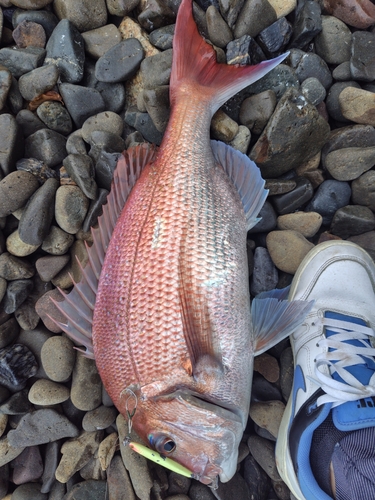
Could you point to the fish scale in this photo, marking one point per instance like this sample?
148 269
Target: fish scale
171 328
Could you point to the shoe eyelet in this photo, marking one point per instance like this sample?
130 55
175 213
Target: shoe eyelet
313 323
317 344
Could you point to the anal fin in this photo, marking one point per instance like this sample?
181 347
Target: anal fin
78 306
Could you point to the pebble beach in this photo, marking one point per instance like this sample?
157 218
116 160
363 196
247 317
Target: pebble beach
82 80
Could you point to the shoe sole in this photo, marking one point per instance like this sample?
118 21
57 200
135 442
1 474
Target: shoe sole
283 458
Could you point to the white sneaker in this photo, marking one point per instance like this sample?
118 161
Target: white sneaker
333 357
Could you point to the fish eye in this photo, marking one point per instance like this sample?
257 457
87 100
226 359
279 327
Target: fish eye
165 445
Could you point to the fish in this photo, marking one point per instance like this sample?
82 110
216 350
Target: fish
163 305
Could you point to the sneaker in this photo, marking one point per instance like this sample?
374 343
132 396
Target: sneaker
334 374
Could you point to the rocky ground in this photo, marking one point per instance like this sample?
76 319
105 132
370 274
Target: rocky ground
68 108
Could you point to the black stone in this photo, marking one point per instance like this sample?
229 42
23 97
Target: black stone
279 80
143 123
17 365
329 197
265 275
308 23
257 480
65 48
268 219
156 69
311 65
108 69
352 220
243 51
81 102
81 170
276 37
289 202
16 293
15 99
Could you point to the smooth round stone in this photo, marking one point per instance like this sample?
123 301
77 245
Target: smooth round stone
37 216
264 453
48 266
31 4
41 426
81 169
15 189
75 143
287 249
51 460
47 309
311 65
65 49
218 31
329 197
81 102
14 268
100 418
100 40
268 415
357 105
8 331
363 190
333 103
306 223
58 357
70 208
256 110
241 140
16 294
46 145
17 365
57 241
17 404
157 105
84 14
334 41
55 117
258 482
267 365
265 275
349 163
16 246
283 7
45 392
29 491
108 69
352 136
255 16
142 123
223 128
113 94
352 220
121 7
86 391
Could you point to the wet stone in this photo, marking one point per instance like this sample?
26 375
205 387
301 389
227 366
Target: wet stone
362 63
275 38
329 197
255 16
29 34
17 365
46 145
107 68
41 426
36 219
291 201
22 61
276 151
81 102
15 190
287 249
352 220
65 49
11 144
16 293
265 275
307 24
14 268
334 41
70 208
81 170
28 466
244 50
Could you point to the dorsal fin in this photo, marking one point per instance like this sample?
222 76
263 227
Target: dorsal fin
78 305
246 177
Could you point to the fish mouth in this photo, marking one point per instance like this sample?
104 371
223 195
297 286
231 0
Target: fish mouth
218 408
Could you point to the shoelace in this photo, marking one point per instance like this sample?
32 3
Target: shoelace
341 356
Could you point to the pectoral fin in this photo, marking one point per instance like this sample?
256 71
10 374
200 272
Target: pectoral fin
274 318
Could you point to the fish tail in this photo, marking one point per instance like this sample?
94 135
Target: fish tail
194 66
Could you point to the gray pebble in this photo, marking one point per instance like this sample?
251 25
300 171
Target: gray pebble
46 145
99 40
46 392
157 105
263 451
347 164
65 49
55 116
162 38
16 293
37 216
334 41
257 480
84 14
17 404
199 491
106 121
278 80
22 61
14 268
329 197
70 208
51 460
121 7
57 241
113 94
352 136
143 123
28 122
45 18
86 388
255 16
332 101
256 110
81 102
102 140
15 190
29 491
88 490
75 143
219 32
313 90
119 484
352 220
50 265
311 65
11 144
104 168
95 209
307 24
267 221
265 275
15 99
275 38
28 466
41 426
34 340
362 63
363 190
58 357
108 69
99 418
5 83
38 81
156 70
17 365
81 170
342 72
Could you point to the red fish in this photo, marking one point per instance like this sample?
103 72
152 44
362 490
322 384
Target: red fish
166 293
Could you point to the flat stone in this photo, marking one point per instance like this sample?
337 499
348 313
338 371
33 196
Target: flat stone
280 186
55 117
334 41
86 390
14 268
106 452
17 404
352 136
28 122
50 265
46 392
268 219
70 208
329 197
362 63
88 490
277 152
156 69
157 106
107 68
58 357
358 105
287 249
268 415
306 223
76 453
352 220
144 124
65 49
46 145
349 163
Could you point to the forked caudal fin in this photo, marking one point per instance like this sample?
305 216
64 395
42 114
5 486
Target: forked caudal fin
194 64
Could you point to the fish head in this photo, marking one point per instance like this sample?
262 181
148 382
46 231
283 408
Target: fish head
200 435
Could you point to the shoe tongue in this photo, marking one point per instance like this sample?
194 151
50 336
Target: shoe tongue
359 414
